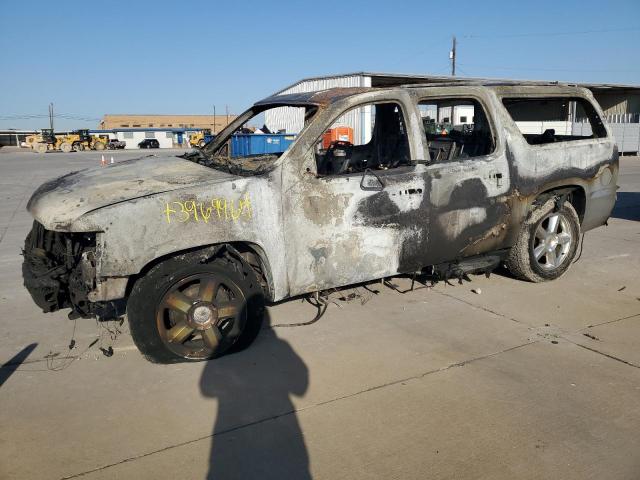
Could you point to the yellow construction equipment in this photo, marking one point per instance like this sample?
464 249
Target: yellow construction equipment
33 141
201 138
77 140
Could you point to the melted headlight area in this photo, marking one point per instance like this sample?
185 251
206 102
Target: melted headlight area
59 270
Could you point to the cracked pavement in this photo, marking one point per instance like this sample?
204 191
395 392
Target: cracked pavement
527 381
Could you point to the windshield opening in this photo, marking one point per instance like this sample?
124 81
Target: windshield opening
255 140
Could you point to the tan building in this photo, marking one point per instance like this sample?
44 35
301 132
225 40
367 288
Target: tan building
215 123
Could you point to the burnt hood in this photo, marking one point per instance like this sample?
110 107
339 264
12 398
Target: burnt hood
59 202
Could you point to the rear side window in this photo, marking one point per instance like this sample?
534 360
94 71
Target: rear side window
456 129
555 119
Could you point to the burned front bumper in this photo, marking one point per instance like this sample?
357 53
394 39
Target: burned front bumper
59 271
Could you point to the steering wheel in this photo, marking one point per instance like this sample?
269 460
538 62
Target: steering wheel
338 163
339 143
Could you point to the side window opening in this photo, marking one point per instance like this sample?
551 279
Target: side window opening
381 144
555 119
456 129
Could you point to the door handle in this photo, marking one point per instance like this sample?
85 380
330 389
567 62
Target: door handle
498 178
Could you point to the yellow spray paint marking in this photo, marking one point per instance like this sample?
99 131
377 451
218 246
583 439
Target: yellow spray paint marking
221 208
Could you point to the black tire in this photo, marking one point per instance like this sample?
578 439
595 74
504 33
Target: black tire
150 317
522 261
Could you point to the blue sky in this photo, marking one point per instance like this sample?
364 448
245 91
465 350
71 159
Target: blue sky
184 57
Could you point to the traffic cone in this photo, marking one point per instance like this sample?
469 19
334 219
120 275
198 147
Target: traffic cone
103 162
111 159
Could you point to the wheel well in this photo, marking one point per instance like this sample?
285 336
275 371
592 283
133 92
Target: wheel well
251 253
575 195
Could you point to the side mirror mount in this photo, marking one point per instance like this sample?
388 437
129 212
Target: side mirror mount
371 182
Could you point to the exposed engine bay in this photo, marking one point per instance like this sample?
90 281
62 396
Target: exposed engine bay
59 270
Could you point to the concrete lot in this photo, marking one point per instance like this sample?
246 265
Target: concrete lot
435 383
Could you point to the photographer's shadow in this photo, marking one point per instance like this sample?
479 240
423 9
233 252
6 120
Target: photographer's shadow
256 433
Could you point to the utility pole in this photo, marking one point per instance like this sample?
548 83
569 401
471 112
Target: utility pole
452 56
51 116
226 107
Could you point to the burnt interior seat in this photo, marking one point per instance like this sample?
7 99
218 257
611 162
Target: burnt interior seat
548 136
442 149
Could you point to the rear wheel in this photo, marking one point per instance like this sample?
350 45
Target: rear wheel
41 148
78 147
547 243
202 143
183 310
66 147
98 146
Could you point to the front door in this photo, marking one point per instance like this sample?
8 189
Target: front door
357 216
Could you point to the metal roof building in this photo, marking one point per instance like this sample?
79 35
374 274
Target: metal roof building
620 103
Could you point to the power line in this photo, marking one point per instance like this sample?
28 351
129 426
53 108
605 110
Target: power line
554 34
552 69
31 116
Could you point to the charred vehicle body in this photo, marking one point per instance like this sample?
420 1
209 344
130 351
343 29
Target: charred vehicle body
192 247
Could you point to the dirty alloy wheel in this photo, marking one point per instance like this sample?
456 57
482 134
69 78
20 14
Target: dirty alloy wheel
547 243
189 311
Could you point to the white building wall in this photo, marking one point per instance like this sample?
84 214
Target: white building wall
463 112
132 139
292 119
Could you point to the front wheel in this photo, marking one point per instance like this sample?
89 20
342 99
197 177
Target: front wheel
547 243
183 310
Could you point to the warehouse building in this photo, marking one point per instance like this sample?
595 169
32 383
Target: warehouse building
14 138
620 103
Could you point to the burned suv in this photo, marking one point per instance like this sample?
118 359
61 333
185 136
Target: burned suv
191 247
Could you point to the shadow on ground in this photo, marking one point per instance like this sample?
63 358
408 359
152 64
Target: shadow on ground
627 206
7 369
257 434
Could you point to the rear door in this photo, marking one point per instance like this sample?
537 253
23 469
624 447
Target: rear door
468 180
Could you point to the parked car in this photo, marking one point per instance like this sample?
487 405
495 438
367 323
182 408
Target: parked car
115 144
214 236
149 143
